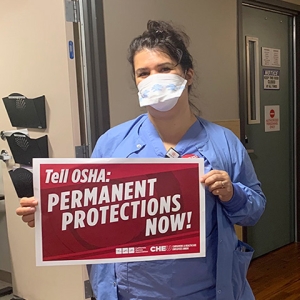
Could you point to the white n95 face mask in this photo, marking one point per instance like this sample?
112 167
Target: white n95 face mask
161 91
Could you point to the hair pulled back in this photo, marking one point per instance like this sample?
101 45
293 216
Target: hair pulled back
164 37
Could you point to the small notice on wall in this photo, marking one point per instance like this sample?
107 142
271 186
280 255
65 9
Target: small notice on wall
271 79
270 57
272 118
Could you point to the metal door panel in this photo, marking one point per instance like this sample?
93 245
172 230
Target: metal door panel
272 151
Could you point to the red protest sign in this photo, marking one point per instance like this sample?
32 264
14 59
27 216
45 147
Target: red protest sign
108 210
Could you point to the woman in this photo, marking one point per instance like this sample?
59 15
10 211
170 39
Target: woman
163 72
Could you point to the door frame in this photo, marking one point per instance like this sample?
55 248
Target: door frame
293 9
91 68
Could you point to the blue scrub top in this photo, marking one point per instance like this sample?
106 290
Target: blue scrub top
221 275
176 278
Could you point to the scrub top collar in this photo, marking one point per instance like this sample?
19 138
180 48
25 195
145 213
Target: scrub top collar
193 139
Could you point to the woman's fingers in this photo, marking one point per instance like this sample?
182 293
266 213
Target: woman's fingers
27 209
28 218
28 202
31 224
23 211
219 184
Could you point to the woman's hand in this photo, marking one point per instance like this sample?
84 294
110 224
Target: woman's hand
26 210
219 184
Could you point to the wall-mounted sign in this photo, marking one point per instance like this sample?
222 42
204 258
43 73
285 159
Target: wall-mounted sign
271 79
272 118
270 57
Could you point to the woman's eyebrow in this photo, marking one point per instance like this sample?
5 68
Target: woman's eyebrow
166 64
141 70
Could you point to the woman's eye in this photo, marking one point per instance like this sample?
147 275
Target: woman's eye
143 74
165 70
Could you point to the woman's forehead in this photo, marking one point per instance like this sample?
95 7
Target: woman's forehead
146 58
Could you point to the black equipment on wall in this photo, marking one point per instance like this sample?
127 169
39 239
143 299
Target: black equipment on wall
24 112
24 149
23 182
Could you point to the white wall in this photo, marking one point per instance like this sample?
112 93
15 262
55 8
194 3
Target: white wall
34 61
212 27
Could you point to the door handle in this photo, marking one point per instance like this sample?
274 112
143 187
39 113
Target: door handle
250 151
